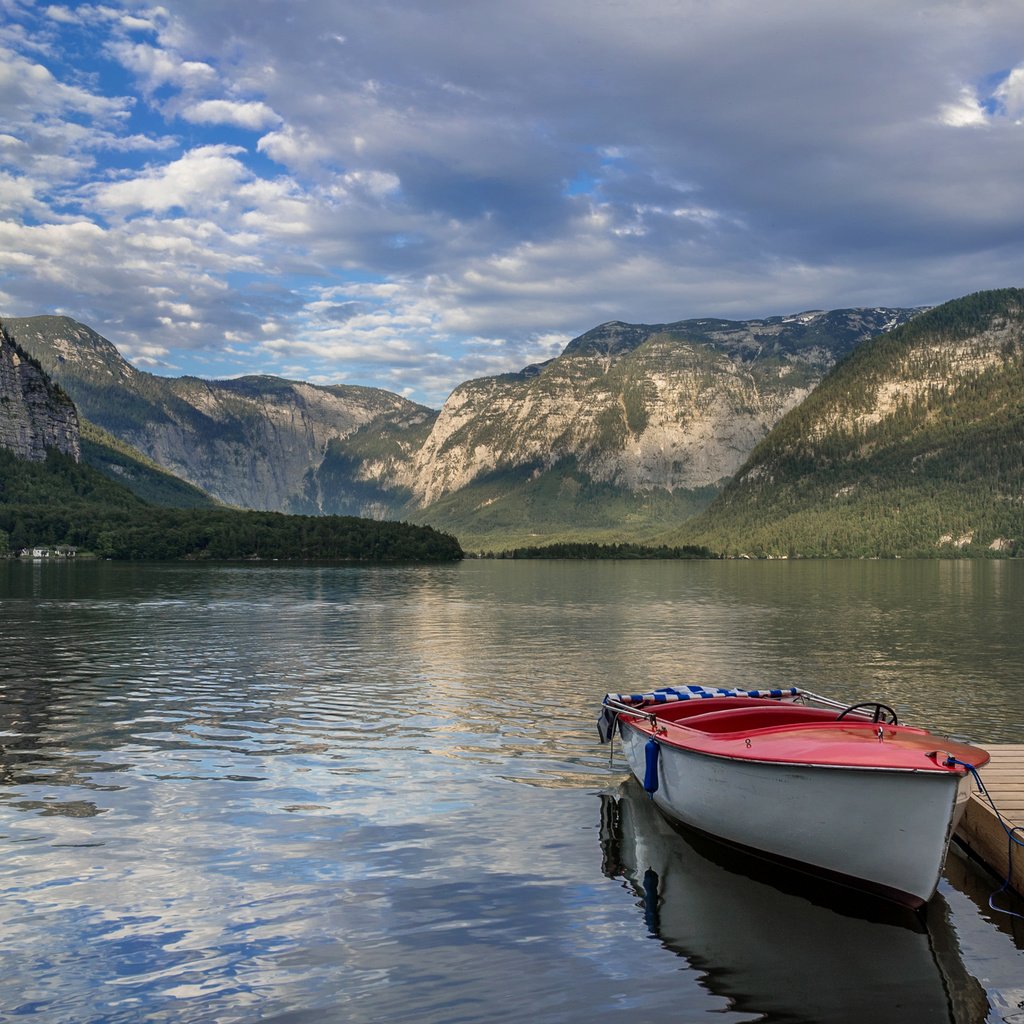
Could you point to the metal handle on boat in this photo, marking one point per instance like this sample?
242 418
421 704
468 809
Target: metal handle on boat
624 709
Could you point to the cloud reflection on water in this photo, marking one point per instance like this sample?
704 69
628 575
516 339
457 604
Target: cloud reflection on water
326 793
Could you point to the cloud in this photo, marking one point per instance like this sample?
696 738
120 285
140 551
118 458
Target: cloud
1001 99
251 115
155 67
294 148
1010 94
966 112
62 14
29 90
203 177
435 189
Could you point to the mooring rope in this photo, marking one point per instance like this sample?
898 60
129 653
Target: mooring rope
1010 830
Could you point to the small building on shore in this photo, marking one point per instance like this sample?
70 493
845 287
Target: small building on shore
40 552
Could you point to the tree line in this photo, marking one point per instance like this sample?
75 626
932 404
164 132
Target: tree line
61 502
605 551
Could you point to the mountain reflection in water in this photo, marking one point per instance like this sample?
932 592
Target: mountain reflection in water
779 943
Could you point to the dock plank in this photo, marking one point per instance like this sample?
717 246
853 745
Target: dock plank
980 830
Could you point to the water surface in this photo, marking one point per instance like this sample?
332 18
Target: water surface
323 793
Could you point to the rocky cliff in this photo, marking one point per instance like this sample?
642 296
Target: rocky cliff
254 442
35 415
641 407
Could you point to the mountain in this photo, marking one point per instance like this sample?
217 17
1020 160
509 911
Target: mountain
632 428
50 497
912 445
35 415
859 432
142 476
255 442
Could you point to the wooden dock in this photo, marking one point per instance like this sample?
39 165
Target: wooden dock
980 831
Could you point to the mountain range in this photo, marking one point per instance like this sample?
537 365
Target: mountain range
632 429
866 432
63 491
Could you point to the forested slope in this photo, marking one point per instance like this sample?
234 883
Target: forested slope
913 445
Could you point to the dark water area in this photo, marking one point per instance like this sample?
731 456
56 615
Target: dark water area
325 793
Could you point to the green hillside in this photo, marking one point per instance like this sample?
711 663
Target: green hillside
61 502
912 446
518 508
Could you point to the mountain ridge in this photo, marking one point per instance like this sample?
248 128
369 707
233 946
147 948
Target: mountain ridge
633 409
913 444
253 442
632 427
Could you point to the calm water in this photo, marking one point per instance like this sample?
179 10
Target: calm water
305 794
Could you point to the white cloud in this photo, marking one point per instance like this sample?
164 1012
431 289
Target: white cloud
156 67
17 196
367 345
203 177
28 90
294 148
1005 100
62 14
966 112
281 217
252 115
377 184
135 23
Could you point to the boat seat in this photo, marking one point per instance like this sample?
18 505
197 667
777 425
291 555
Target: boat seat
761 717
698 708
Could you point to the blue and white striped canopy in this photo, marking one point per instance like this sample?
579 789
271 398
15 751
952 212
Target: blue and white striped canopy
667 694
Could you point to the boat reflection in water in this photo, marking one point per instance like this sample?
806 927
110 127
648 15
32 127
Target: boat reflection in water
781 944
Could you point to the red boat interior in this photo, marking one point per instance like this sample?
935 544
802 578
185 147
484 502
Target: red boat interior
723 715
758 728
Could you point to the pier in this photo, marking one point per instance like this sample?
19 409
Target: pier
980 831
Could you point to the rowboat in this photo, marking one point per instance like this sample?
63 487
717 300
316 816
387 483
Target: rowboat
842 791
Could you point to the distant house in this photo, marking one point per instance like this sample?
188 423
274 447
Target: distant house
61 551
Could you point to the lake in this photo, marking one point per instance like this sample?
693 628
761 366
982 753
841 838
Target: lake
364 794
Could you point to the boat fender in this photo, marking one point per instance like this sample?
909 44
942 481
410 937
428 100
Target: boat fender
651 751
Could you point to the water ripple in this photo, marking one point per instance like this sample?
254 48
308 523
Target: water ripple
240 794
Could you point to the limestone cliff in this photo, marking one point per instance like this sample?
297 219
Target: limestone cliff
641 407
35 415
255 442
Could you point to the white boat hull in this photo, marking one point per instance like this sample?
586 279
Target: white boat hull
887 830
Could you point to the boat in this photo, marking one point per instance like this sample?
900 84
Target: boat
842 791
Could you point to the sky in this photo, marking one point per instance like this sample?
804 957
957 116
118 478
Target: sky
408 194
